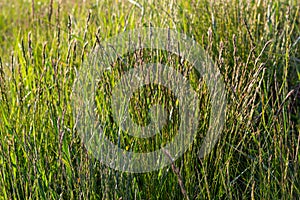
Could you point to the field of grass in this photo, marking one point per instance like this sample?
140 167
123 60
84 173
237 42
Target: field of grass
254 43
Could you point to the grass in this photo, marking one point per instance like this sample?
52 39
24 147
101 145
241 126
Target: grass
256 46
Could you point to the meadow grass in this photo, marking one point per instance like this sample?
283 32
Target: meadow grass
256 46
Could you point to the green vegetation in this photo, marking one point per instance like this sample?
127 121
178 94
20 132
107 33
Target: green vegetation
256 46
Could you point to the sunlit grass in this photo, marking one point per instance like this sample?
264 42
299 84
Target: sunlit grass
253 43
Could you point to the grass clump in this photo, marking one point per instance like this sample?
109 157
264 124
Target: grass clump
255 44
